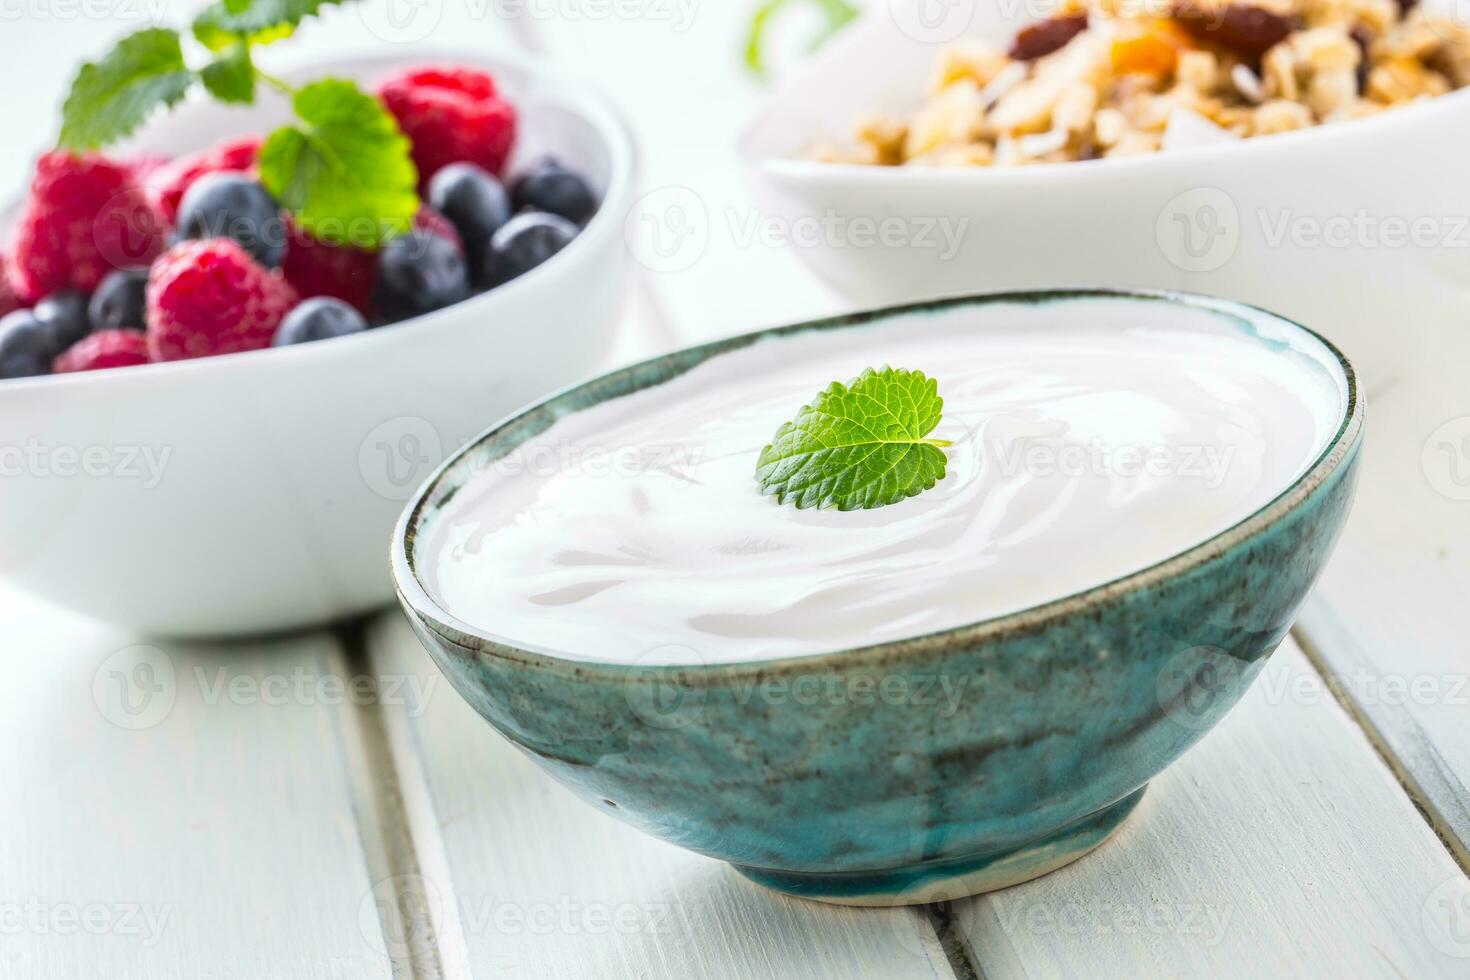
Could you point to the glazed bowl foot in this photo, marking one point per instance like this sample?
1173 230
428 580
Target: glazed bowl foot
947 880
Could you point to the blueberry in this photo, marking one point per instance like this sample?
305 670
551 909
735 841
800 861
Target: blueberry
26 347
320 318
475 203
119 301
526 241
64 315
418 272
549 186
232 205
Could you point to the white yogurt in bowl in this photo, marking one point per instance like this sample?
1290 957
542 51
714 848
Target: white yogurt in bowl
1092 437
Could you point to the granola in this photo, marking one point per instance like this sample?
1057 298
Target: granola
1107 78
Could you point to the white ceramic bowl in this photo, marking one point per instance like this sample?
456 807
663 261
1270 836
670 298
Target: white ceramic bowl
1360 230
257 491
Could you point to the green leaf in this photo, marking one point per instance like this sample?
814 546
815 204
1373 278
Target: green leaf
836 12
112 97
231 76
228 22
345 174
859 445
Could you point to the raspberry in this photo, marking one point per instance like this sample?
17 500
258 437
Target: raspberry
210 297
9 301
145 165
104 349
435 223
85 217
317 269
343 272
168 183
451 115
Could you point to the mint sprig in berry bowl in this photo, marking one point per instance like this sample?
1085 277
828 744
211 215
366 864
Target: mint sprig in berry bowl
276 471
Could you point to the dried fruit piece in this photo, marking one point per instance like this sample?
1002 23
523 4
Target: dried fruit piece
1153 50
1040 40
1246 30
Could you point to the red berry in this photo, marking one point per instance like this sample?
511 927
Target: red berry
145 165
85 216
104 349
168 183
427 219
210 297
451 115
9 301
315 268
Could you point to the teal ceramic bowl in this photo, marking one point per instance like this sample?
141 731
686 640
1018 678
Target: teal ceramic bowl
1069 708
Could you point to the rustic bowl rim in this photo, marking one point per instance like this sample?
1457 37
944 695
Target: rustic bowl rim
420 604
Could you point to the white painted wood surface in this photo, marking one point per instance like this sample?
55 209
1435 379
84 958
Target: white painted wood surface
1390 620
527 880
312 839
1278 846
176 811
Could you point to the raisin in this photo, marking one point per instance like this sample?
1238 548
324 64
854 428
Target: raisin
1040 40
1248 31
1362 39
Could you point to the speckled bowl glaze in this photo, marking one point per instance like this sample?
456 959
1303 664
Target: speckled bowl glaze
1019 743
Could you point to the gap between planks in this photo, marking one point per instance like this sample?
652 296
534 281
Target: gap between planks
407 859
404 898
1314 622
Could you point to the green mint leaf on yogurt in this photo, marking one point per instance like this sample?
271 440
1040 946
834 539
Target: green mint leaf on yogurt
112 97
858 446
344 172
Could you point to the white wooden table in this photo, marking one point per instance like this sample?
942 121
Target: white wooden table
326 806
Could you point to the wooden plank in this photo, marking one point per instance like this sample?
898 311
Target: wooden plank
527 880
176 810
1278 846
1390 622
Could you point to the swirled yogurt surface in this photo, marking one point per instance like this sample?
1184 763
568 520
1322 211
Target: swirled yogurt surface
1092 437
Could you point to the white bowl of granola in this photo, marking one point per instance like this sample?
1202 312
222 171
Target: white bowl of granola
1314 175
